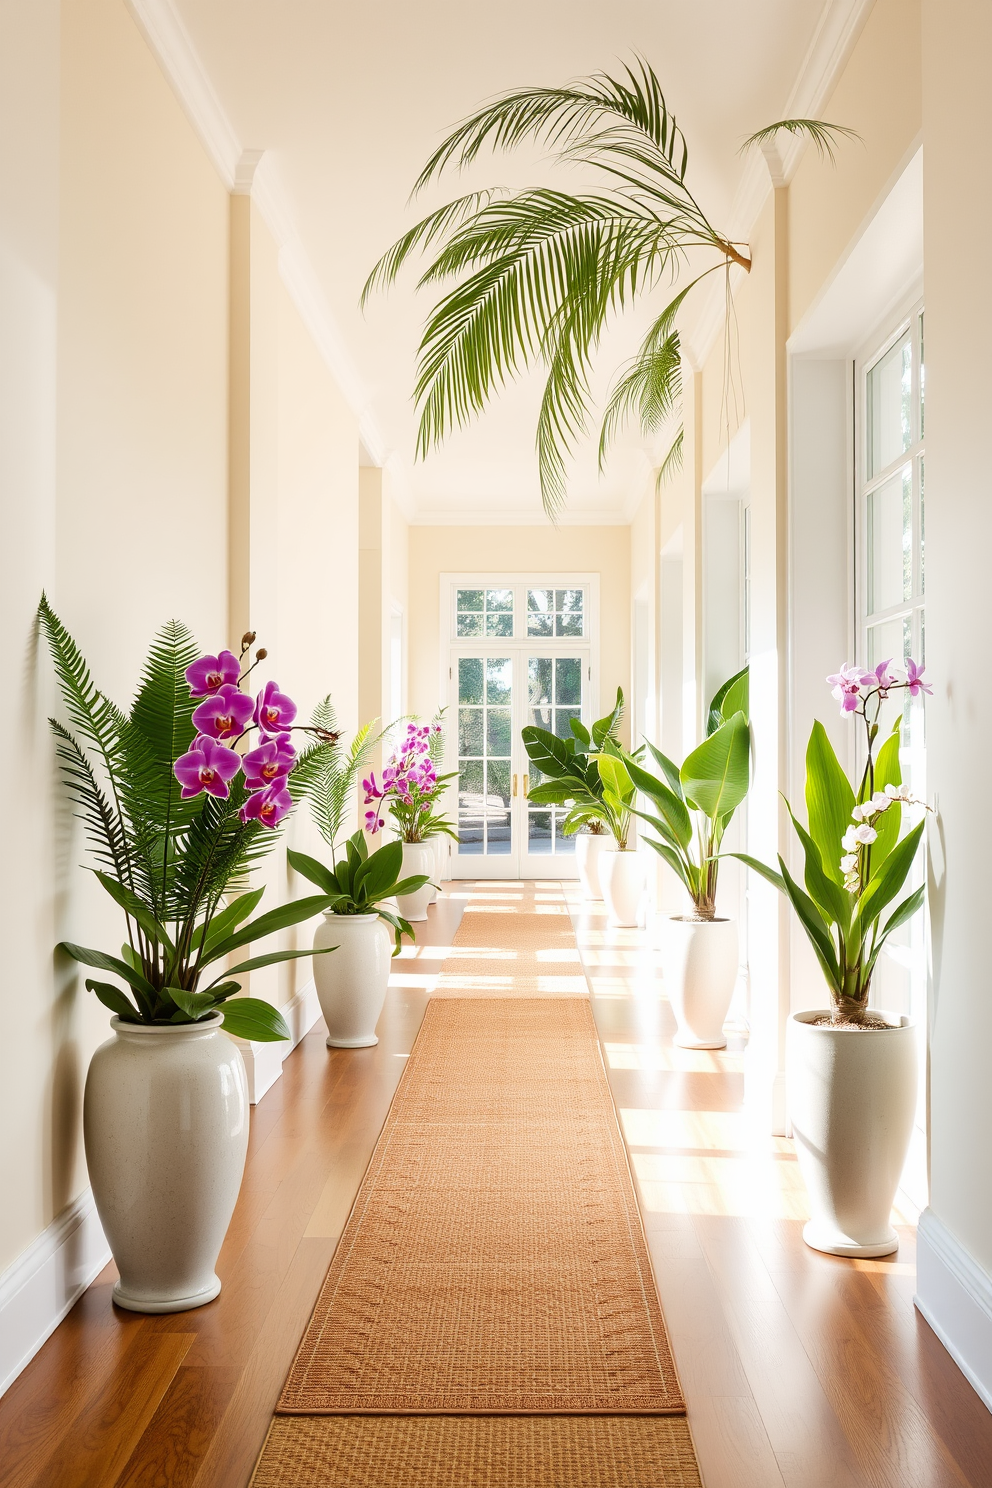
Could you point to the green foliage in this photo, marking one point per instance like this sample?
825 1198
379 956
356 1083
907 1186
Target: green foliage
824 136
327 777
573 777
843 918
168 864
693 806
359 882
539 274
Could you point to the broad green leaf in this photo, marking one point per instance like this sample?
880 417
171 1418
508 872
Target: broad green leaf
408 885
271 958
615 777
250 1018
114 999
377 875
668 767
829 800
556 792
605 728
887 824
902 912
225 920
551 755
886 883
313 870
400 926
103 962
760 868
580 731
833 902
817 931
716 775
729 699
668 804
674 861
276 919
193 1004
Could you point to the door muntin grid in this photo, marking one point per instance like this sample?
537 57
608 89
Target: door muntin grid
554 698
485 748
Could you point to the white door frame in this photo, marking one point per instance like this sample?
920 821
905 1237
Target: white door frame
517 863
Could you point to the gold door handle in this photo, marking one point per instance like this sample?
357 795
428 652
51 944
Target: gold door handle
526 785
514 785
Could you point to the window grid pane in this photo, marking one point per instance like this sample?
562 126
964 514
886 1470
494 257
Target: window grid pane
554 698
485 687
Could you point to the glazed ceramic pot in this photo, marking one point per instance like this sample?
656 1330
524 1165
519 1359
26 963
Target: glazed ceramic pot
165 1124
418 857
351 982
621 875
699 964
852 1102
588 847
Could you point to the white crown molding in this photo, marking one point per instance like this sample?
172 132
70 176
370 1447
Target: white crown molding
518 517
841 23
41 1286
954 1294
162 27
255 173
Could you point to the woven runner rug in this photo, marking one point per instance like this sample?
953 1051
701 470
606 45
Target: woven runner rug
490 1316
514 940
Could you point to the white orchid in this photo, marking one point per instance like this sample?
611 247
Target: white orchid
849 842
849 863
865 834
881 801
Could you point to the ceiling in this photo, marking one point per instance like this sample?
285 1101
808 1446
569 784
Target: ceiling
347 101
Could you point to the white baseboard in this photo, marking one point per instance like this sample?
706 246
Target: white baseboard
38 1290
263 1062
954 1294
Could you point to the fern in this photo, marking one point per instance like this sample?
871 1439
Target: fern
327 776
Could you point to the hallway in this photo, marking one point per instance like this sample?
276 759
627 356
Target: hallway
798 1369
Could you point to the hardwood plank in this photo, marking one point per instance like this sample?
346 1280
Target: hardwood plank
178 1435
107 1432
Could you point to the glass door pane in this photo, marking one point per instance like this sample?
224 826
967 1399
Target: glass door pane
554 698
485 746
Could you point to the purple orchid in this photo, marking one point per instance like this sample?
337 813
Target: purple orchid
207 766
914 681
225 714
846 686
210 673
274 710
267 806
372 791
373 822
880 678
272 760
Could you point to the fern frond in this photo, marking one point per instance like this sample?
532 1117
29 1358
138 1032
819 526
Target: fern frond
104 829
824 136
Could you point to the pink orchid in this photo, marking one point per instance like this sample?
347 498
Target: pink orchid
880 677
274 710
270 761
267 806
914 675
210 673
207 766
373 822
846 685
224 714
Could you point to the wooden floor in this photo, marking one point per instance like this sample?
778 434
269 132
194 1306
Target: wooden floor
798 1369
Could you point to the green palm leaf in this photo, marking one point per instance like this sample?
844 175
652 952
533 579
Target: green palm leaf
823 135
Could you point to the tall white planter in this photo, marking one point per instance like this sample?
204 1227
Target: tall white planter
439 847
699 964
621 875
418 857
588 847
351 982
852 1100
165 1124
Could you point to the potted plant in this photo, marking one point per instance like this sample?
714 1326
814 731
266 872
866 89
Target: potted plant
571 759
352 986
175 817
851 1070
692 808
410 789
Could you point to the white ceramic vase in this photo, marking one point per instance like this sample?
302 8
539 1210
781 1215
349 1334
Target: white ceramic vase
852 1101
439 847
588 847
165 1124
351 982
418 857
621 875
699 964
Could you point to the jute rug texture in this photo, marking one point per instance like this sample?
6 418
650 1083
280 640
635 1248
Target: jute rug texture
490 1319
478 1452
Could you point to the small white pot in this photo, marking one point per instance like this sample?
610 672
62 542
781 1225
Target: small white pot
351 982
852 1100
699 964
621 875
165 1124
588 847
418 857
439 847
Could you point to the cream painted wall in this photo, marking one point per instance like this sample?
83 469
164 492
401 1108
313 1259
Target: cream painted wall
139 509
437 550
957 222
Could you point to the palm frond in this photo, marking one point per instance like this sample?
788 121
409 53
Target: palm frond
672 461
651 385
422 235
824 136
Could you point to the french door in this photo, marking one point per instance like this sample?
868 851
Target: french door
496 688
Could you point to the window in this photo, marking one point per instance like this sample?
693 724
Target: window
520 611
484 612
